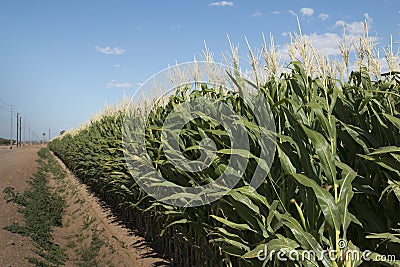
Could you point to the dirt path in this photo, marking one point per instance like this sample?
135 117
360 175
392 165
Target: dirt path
86 220
89 233
16 167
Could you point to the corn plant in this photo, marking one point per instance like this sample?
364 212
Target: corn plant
335 179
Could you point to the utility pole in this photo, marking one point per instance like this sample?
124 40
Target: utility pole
24 131
20 130
29 133
49 136
17 127
11 127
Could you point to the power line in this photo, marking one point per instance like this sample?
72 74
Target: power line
20 130
17 127
11 125
4 103
21 137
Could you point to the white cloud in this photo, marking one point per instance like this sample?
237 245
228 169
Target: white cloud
352 28
292 12
326 43
257 14
306 11
110 50
177 27
368 18
222 3
275 12
115 84
323 16
385 65
117 65
356 27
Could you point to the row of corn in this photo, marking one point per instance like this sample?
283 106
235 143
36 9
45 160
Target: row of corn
335 176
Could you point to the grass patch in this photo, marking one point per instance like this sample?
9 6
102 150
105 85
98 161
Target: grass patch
89 253
42 209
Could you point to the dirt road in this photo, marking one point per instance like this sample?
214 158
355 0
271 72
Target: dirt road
84 214
16 167
84 219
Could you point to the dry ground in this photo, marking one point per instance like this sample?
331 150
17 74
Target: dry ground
16 167
89 234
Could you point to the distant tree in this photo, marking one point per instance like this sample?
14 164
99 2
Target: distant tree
4 141
62 132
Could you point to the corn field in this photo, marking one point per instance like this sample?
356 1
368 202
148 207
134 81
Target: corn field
335 175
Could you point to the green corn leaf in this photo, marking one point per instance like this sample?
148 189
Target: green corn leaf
324 153
325 200
305 239
280 243
181 221
345 195
230 246
393 119
238 226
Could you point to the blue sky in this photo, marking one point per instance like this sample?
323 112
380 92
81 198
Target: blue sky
61 61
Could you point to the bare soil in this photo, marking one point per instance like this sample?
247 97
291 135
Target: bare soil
85 214
16 168
91 234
